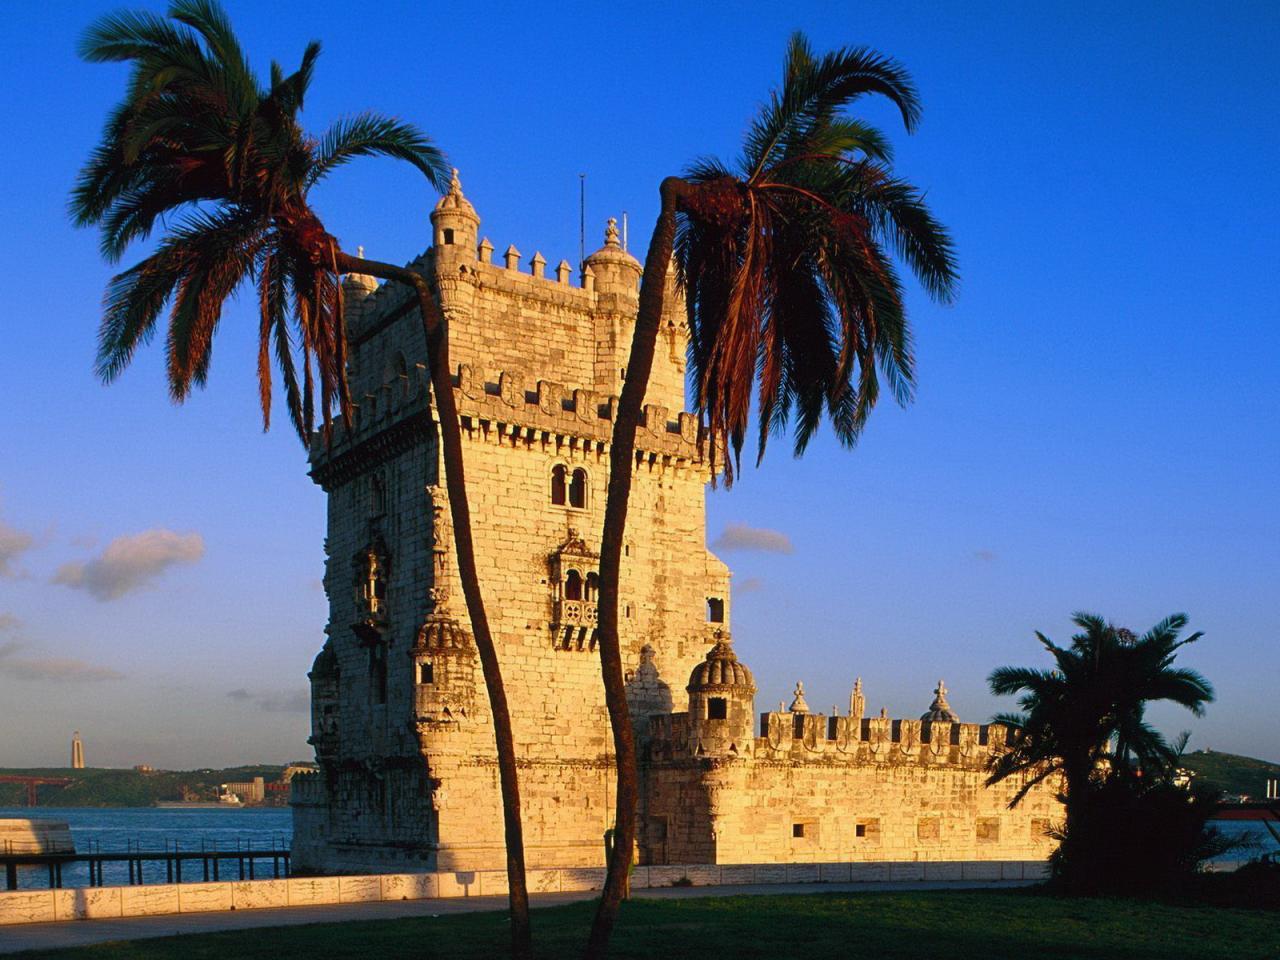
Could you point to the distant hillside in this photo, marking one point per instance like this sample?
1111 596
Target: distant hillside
101 787
1230 773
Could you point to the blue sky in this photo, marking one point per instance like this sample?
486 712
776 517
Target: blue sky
1096 426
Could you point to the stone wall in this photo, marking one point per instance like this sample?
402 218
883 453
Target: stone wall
98 903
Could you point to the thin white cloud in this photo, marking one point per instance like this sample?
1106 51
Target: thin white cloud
56 669
131 562
985 556
740 536
13 543
292 701
748 585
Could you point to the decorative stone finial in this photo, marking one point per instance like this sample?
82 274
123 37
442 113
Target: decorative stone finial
440 548
857 702
454 202
884 713
611 233
512 257
940 711
360 252
538 264
798 705
485 251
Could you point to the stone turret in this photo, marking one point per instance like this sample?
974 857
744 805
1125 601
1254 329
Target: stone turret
444 654
721 703
456 224
325 679
614 270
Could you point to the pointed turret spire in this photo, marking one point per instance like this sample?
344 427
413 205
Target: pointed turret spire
798 705
857 702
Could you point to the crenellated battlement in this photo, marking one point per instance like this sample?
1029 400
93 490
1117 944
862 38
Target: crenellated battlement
788 737
500 407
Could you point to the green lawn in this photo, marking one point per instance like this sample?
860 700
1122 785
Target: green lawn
1019 925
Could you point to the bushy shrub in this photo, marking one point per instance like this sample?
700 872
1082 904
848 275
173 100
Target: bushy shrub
1136 837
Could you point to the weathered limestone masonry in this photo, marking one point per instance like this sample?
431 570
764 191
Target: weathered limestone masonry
401 727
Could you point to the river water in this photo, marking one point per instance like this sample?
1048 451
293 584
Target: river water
161 828
112 829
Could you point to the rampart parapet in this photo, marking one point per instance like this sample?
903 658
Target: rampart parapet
503 409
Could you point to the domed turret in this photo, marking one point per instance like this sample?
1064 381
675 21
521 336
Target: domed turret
456 223
325 703
613 269
721 702
357 286
356 289
940 711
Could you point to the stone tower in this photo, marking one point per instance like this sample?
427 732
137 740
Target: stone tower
77 752
400 719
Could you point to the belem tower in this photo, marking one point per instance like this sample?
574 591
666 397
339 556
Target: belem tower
407 773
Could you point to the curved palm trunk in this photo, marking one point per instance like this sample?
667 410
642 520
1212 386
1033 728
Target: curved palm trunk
621 465
433 324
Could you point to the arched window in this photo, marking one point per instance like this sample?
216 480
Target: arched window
558 484
593 587
578 489
573 586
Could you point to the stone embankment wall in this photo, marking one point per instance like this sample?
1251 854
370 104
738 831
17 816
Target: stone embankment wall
93 903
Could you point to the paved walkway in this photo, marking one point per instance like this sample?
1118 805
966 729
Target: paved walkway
78 933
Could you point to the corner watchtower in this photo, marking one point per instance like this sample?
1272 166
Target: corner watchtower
721 703
456 224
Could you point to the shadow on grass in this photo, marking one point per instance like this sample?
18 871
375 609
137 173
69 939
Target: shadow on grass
896 926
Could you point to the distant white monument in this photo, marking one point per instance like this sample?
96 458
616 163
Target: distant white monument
77 752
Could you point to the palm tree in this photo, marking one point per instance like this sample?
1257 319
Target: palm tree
223 165
793 297
1085 717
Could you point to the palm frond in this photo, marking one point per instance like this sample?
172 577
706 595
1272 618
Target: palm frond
369 134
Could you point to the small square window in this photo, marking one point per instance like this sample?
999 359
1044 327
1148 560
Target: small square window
797 830
715 610
426 673
860 830
717 708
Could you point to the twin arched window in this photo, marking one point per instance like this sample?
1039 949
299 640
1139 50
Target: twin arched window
576 588
569 489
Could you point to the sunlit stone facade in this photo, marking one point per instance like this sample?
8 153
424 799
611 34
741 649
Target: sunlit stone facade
401 726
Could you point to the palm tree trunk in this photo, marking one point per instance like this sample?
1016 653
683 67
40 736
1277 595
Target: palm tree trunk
434 328
621 466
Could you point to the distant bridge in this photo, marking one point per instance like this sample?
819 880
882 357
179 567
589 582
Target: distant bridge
32 783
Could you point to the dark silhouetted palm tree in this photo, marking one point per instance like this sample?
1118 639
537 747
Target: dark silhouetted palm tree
223 167
794 300
1085 717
